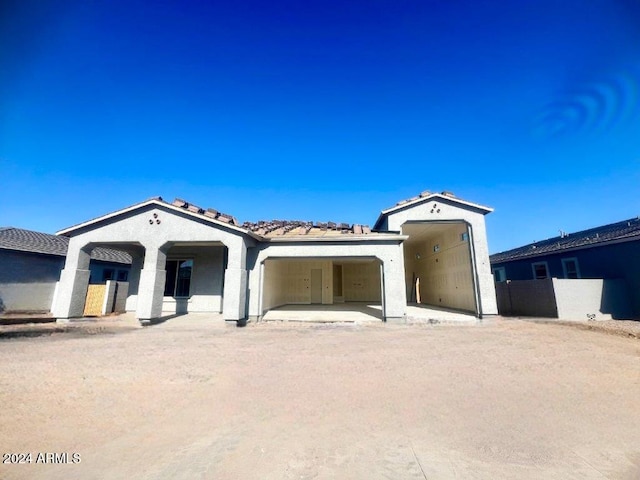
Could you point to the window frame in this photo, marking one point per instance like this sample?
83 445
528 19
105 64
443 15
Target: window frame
546 267
108 274
177 276
503 273
564 267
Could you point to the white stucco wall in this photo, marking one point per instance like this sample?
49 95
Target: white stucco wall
442 209
156 228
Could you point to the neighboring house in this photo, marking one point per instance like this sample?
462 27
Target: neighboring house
432 247
30 266
609 252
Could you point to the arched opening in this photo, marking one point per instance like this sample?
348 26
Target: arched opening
105 280
321 289
439 265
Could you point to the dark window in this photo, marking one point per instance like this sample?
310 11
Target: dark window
540 271
570 266
108 274
178 281
499 274
123 275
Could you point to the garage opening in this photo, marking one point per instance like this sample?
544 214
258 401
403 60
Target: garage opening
439 265
322 288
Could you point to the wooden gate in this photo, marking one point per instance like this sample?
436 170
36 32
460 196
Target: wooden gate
94 301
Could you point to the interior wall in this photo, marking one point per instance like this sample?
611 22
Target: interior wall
362 282
289 282
445 275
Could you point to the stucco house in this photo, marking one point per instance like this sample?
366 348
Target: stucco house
431 248
31 263
600 265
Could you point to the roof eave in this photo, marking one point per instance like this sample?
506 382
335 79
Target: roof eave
384 213
160 203
569 249
432 196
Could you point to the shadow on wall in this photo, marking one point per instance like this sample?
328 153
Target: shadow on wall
182 306
526 298
615 300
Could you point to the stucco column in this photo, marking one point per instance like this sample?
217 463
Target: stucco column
394 294
134 282
74 279
151 286
235 283
485 282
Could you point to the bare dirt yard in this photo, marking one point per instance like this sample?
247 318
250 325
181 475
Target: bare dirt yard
198 399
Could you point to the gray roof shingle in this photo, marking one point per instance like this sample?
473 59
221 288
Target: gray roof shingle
37 242
597 236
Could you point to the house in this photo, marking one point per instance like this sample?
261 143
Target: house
608 256
431 249
31 264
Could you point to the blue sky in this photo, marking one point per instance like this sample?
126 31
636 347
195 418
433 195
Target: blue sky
322 110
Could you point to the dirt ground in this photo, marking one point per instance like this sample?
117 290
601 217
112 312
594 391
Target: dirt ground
199 399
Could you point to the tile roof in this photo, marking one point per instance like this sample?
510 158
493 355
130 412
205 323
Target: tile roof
278 228
299 228
37 242
209 212
627 229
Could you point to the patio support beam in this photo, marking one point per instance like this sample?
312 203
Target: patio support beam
74 279
151 285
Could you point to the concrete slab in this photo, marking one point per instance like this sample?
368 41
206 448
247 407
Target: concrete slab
420 313
354 312
339 312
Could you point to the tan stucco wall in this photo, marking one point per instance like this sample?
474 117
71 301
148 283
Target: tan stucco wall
446 276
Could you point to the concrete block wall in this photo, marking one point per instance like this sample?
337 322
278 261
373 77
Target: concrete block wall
533 298
565 299
592 299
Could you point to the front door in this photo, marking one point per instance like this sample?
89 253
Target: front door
316 285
